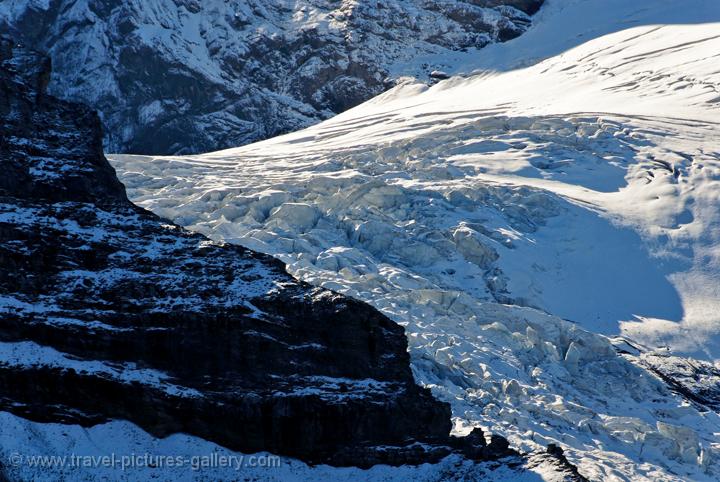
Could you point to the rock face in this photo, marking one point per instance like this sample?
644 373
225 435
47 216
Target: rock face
184 76
107 311
696 380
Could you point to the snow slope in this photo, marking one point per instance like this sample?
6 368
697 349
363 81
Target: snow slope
518 220
200 460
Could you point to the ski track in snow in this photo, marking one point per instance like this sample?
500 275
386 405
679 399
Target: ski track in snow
510 218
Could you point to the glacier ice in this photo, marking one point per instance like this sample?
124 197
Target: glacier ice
513 221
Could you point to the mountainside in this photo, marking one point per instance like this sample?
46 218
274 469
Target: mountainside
131 349
185 76
545 226
108 312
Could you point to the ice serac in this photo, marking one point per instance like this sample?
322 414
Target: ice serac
184 76
109 312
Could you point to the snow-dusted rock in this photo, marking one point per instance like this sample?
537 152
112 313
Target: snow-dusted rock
182 76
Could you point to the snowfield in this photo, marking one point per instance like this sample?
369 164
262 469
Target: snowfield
536 224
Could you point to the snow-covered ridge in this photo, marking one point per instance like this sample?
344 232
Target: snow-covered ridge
30 439
567 189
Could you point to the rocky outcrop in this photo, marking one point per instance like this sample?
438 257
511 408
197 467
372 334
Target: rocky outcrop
184 76
109 312
696 380
554 459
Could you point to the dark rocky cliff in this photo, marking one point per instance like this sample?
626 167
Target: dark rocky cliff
109 312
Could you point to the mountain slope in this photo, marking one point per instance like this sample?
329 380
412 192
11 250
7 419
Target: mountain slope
110 313
183 76
131 349
545 228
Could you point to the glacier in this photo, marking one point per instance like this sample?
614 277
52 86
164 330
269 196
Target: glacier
540 223
543 224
